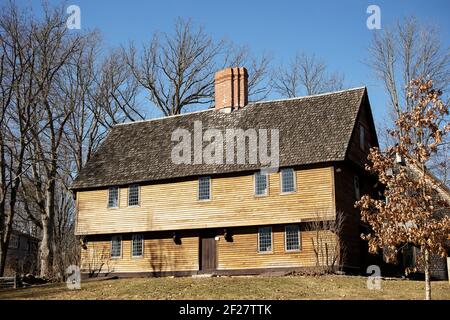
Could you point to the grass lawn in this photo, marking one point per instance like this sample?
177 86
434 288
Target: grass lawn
298 287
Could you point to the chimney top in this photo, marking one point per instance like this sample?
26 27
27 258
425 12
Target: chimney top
231 89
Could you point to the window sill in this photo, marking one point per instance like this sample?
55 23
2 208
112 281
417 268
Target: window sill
115 258
112 208
265 252
137 257
287 193
261 195
293 251
204 200
135 206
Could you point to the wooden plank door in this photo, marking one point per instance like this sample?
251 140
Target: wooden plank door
207 252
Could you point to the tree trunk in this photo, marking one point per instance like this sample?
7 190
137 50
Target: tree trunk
7 229
427 275
3 253
47 232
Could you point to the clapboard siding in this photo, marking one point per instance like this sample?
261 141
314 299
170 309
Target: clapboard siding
174 206
161 254
242 252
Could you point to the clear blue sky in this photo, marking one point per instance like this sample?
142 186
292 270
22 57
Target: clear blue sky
333 30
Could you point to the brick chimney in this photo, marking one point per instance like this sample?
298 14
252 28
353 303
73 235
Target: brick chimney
231 89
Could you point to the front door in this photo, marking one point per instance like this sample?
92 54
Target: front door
207 252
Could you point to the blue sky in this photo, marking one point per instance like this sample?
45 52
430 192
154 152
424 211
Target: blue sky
334 30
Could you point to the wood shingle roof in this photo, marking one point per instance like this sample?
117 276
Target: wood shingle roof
312 129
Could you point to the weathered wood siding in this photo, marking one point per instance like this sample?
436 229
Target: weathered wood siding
356 154
243 253
174 206
345 172
161 254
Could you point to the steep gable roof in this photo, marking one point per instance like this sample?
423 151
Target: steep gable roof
312 129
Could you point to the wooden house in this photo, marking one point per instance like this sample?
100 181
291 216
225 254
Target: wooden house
138 212
22 256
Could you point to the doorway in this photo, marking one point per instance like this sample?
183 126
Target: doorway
207 251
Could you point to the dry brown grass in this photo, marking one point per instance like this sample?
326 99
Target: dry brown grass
296 287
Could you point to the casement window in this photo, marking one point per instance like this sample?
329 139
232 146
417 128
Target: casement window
287 180
292 237
14 242
116 246
356 187
261 184
137 245
204 188
133 195
113 197
362 137
265 239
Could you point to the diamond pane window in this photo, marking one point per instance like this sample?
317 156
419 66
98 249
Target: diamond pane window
292 236
138 245
260 184
133 195
265 239
204 187
287 180
113 197
116 246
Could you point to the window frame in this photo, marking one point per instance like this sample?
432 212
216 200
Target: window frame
271 240
294 179
357 187
362 137
254 184
299 233
210 188
138 195
16 242
111 247
118 198
142 245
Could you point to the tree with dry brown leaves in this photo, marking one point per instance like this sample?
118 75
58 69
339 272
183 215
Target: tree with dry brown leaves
412 211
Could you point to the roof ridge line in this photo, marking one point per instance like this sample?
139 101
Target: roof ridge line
161 118
310 96
253 103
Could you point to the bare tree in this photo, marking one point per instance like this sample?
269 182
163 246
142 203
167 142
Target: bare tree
405 51
18 93
328 247
259 82
114 97
58 98
177 70
306 74
54 49
83 133
97 260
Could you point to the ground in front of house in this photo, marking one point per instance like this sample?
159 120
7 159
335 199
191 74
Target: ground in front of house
296 287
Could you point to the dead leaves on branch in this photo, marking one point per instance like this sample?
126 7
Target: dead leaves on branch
412 211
